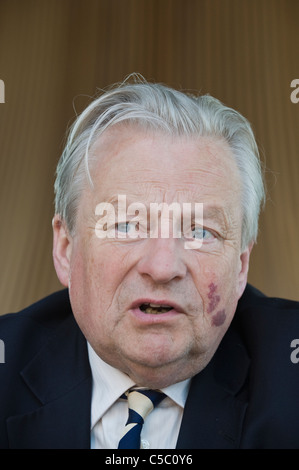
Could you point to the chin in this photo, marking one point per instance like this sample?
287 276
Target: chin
160 370
156 378
157 356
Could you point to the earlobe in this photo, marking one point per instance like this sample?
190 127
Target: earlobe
244 262
62 246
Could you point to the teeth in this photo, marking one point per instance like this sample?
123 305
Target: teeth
155 308
159 306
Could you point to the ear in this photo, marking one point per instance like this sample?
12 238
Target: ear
62 248
244 266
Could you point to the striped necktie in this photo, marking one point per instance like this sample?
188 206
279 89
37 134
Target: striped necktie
140 402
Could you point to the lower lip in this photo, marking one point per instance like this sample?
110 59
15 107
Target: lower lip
153 318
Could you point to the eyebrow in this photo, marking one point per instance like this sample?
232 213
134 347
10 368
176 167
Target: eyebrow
216 212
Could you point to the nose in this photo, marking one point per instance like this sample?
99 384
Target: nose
163 260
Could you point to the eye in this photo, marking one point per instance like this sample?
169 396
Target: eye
126 227
198 232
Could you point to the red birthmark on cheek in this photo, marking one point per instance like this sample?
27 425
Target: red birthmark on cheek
219 318
214 299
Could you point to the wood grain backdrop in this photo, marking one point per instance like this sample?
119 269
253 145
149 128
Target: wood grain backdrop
54 54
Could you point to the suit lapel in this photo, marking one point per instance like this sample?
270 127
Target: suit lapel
217 400
59 378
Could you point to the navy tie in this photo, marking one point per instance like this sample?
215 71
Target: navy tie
141 402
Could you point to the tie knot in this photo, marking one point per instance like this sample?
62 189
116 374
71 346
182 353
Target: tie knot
140 403
143 401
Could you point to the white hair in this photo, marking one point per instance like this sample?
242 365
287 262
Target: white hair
160 108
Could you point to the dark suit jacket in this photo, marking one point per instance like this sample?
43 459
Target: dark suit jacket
247 396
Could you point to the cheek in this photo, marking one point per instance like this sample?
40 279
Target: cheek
219 318
221 303
213 296
97 272
91 293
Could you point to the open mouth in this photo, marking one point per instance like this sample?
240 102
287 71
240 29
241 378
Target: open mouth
155 308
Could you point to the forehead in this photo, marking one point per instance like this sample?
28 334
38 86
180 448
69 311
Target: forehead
156 167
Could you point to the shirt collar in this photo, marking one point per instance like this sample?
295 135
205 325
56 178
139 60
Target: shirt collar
110 383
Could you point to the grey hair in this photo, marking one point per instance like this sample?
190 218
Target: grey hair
157 107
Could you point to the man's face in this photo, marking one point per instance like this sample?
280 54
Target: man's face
112 280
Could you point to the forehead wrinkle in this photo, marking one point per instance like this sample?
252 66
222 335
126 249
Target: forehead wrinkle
210 209
170 178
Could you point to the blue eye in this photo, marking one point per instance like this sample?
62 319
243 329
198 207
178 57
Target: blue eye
201 233
124 227
127 227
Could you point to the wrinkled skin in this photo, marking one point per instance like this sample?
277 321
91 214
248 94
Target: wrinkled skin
109 278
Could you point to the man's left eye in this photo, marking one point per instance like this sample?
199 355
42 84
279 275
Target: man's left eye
201 233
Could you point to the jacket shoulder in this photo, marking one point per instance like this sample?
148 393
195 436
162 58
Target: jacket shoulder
265 320
252 297
24 332
47 311
268 327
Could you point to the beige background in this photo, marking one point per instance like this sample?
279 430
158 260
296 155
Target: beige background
56 53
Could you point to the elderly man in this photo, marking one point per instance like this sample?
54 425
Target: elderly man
158 195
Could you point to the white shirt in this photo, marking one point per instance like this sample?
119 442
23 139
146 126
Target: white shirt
109 414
